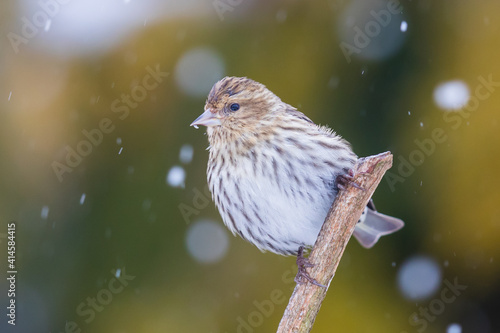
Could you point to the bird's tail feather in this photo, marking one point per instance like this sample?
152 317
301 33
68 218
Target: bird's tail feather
374 225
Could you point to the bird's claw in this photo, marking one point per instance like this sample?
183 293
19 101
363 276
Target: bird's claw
303 263
347 179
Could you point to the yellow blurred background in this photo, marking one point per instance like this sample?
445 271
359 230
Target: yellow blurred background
105 179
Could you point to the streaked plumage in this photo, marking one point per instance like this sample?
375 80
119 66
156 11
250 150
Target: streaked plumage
272 171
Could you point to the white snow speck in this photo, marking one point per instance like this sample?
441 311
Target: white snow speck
403 26
419 278
82 198
47 25
176 176
45 212
451 95
10 95
186 153
421 124
195 126
120 151
118 141
409 113
454 328
118 272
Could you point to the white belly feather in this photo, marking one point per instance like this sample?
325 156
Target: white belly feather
278 199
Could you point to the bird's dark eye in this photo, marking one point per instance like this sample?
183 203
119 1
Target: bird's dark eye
234 107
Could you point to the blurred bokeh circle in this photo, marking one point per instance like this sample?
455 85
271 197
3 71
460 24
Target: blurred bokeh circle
207 242
372 30
419 277
197 70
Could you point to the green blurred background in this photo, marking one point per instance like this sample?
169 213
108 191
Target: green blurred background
134 206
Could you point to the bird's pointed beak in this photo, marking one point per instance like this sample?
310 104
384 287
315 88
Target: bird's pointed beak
207 118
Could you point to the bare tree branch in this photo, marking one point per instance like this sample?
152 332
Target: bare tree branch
346 210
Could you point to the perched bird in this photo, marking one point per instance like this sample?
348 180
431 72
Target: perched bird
273 173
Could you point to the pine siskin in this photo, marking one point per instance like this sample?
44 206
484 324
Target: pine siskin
273 173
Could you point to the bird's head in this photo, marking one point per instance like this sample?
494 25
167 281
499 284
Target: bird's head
237 106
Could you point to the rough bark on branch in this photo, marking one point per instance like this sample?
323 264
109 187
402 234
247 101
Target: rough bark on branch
306 299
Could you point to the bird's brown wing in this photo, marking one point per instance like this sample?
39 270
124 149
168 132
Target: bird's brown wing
297 114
